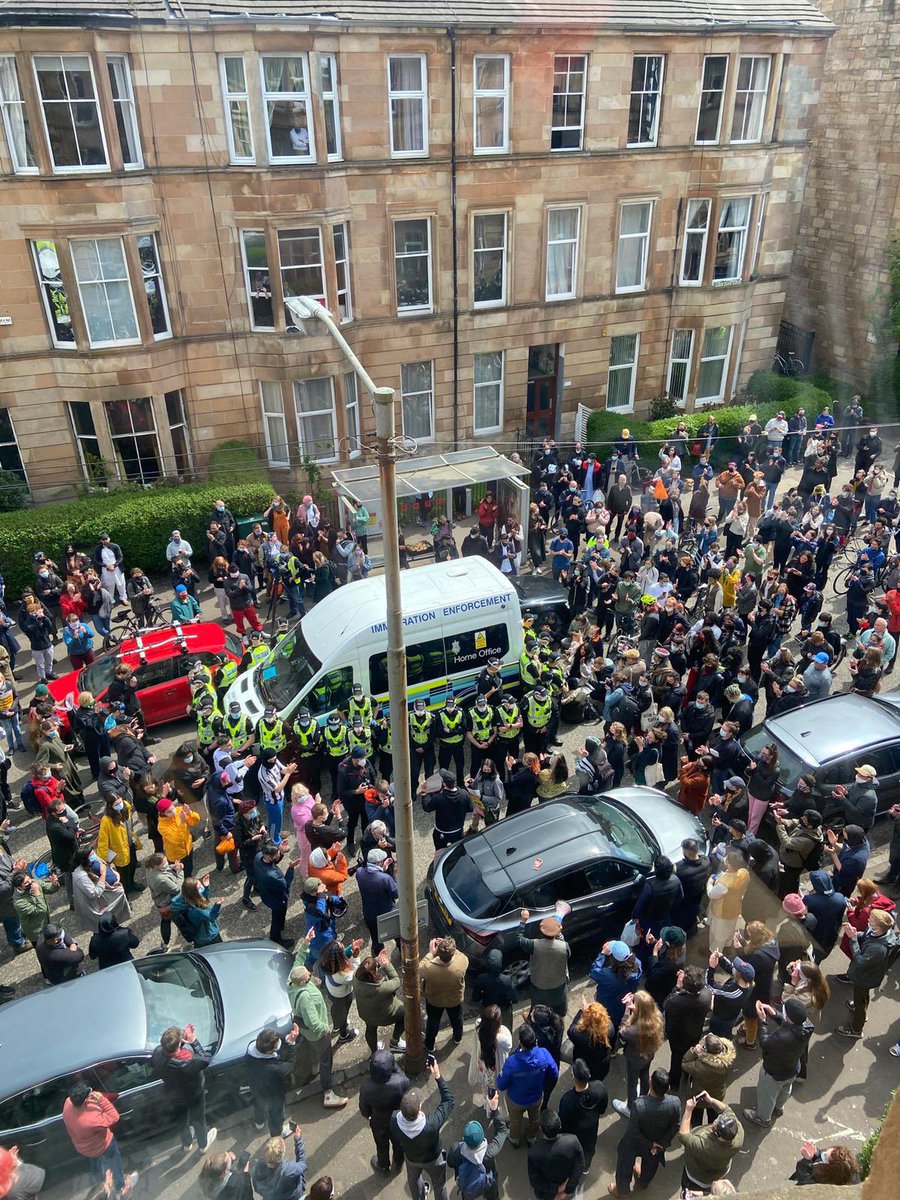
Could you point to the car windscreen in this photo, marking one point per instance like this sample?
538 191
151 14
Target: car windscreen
790 767
289 670
97 677
621 832
178 991
467 886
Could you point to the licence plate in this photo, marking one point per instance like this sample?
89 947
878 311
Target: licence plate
442 908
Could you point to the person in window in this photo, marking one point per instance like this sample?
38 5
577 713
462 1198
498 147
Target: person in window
299 134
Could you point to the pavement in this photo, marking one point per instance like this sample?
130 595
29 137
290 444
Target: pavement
849 1082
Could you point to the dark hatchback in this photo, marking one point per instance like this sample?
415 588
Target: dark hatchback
547 599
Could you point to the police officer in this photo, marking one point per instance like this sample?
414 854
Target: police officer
451 732
538 712
481 732
281 631
237 725
294 575
530 667
337 747
528 631
421 741
360 735
508 718
490 682
256 652
360 706
554 680
381 734
226 674
209 725
308 737
270 731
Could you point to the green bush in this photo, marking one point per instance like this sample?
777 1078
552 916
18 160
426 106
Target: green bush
883 400
140 522
13 492
235 459
771 388
867 1149
663 406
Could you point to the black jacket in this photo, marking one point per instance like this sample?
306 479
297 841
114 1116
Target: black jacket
654 1120
112 943
424 1147
580 1113
685 1014
131 753
595 1054
870 960
63 838
499 1131
59 964
269 1077
693 874
782 1045
492 986
449 808
97 554
553 1163
381 1093
182 1078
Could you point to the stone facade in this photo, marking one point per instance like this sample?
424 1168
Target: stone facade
197 202
839 284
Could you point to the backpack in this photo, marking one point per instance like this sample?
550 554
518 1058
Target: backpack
29 800
472 1179
184 924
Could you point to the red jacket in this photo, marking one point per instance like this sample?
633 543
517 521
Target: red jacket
71 604
858 915
46 791
487 513
89 1126
892 600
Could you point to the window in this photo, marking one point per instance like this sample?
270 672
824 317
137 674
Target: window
408 101
257 278
181 434
341 235
148 252
87 442
567 121
693 252
331 690
491 103
761 204
712 95
10 458
417 400
424 662
71 113
105 291
610 873
623 353
646 93
750 98
125 110
634 244
132 427
489 259
302 266
731 243
331 105
15 119
562 252
351 411
316 428
53 294
274 424
488 392
286 101
714 363
412 265
680 364
472 649
237 108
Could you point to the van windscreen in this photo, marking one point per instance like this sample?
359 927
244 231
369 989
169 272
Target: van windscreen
294 665
466 885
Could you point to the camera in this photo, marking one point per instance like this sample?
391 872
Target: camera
430 1061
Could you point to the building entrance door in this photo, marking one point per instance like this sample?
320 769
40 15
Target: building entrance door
540 411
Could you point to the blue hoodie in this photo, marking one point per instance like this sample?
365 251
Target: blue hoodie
523 1074
828 907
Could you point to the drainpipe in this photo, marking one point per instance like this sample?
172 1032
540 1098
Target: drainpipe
451 35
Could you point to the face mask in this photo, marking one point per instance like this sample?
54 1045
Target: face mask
220 508
118 808
252 813
45 775
188 758
53 734
44 574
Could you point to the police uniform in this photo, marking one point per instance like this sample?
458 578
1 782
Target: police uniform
529 669
209 726
421 745
507 739
381 733
361 709
308 753
360 736
239 730
538 714
271 735
490 686
255 656
336 745
226 674
451 732
479 734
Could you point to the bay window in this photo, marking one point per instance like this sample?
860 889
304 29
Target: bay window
71 112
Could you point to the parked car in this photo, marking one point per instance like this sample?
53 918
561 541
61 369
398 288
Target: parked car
161 659
593 852
829 738
547 599
103 1027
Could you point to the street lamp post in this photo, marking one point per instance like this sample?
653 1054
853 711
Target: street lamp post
305 311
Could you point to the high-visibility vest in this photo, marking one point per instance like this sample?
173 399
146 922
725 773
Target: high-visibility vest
361 709
505 717
206 728
482 724
530 638
238 730
420 727
258 655
538 713
308 738
557 679
387 746
204 689
528 669
271 737
363 738
336 742
201 674
228 673
294 568
451 730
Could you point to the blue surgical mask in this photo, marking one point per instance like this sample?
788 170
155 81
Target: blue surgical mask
251 813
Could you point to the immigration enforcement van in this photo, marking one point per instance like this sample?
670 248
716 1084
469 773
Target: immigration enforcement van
456 617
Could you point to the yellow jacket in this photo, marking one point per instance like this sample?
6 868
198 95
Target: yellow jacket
117 839
175 831
729 587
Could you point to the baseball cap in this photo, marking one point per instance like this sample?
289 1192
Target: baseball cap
376 857
821 657
619 950
448 777
311 886
746 970
673 935
867 771
179 587
358 752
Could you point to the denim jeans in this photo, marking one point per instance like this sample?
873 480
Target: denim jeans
13 731
13 931
109 1160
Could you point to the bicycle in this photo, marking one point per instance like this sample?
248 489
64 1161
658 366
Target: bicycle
129 625
788 364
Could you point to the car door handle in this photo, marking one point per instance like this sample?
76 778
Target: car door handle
610 904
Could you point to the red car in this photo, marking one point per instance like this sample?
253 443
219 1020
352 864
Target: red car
160 658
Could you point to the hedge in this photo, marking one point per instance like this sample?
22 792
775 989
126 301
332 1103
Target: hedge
140 521
235 459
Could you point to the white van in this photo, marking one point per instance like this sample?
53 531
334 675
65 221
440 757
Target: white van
456 616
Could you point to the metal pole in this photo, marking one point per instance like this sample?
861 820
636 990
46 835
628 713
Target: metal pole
403 798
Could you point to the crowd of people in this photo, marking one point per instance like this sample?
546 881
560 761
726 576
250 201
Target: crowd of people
697 599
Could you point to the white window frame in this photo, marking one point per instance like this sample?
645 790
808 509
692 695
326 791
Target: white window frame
184 424
331 100
271 401
739 354
723 358
15 442
504 254
352 414
322 294
300 415
687 361
161 283
629 366
125 278
762 202
752 92
430 437
81 438
583 93
236 98
643 237
692 229
412 310
479 430
80 167
304 97
491 94
115 438
704 91
43 288
643 93
126 106
565 241
7 105
420 94
262 233
341 229
742 232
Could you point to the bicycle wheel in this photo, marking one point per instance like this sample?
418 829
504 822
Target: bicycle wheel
797 367
842 581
